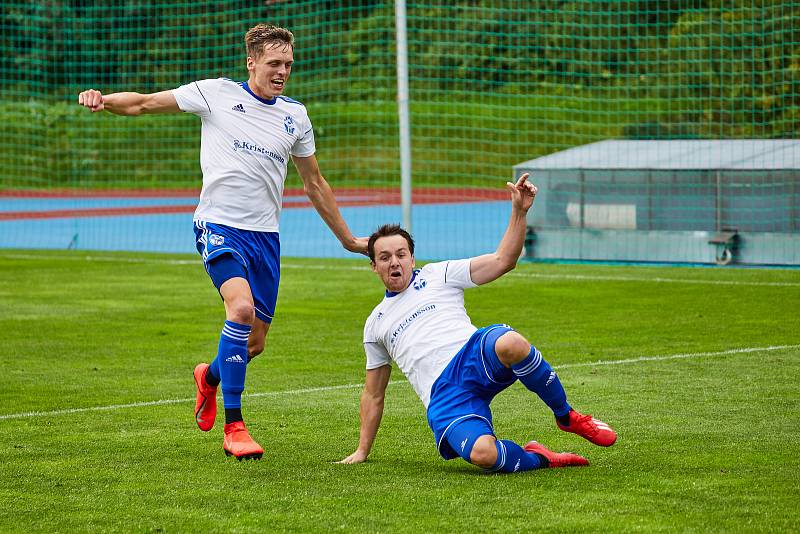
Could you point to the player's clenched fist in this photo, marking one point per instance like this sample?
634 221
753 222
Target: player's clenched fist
92 99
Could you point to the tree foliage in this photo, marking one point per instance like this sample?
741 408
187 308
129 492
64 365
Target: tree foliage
722 68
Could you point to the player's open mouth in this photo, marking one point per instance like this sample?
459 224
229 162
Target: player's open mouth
396 274
278 83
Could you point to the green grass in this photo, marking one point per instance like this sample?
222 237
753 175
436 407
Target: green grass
708 442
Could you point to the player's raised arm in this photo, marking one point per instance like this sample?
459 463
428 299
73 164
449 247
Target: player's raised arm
371 412
484 269
321 196
129 103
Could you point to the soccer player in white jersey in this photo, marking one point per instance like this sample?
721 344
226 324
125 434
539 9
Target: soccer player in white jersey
249 132
455 368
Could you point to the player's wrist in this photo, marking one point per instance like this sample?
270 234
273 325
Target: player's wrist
350 243
519 211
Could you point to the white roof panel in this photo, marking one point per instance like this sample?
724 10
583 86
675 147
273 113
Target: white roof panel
737 154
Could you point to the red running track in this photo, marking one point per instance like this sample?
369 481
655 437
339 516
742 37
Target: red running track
345 197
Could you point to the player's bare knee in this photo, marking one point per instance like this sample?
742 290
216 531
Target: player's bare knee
512 348
241 311
484 452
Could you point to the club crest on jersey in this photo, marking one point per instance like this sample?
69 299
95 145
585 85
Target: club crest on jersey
288 124
216 240
420 283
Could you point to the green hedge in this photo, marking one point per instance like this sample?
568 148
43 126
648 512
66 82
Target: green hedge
357 144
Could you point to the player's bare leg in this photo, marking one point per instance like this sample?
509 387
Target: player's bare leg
257 339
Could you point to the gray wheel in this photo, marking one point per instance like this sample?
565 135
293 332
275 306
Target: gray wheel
724 258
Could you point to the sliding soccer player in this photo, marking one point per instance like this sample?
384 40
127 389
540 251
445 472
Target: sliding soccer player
455 368
249 133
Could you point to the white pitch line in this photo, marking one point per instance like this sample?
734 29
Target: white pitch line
657 279
746 350
112 259
677 356
517 274
172 401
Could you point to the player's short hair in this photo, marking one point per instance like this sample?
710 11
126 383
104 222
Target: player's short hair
385 231
261 35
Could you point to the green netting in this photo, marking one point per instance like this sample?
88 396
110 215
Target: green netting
493 83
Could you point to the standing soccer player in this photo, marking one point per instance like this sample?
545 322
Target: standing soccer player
455 368
249 132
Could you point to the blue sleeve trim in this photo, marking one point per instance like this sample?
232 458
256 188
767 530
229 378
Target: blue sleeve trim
204 97
290 100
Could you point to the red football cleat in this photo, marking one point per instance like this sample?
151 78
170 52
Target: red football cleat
205 406
556 459
238 443
590 428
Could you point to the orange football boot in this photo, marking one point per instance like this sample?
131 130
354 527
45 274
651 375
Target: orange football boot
556 459
205 406
590 428
238 443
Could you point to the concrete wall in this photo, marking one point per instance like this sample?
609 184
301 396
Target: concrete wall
665 216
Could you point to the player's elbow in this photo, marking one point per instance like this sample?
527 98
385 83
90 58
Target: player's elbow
506 264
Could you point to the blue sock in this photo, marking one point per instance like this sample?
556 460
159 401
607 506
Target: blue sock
537 375
231 362
511 458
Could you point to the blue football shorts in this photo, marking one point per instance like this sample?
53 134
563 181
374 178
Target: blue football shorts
458 411
257 252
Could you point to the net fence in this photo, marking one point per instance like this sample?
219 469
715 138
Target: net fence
492 84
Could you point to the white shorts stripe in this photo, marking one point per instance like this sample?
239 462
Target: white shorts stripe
483 356
262 312
456 420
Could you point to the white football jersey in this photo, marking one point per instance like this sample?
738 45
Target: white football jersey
422 327
245 147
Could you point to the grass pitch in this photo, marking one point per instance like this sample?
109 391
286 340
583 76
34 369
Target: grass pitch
697 369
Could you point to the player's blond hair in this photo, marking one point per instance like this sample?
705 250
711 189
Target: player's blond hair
261 35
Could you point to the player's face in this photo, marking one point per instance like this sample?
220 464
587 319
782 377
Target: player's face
394 263
270 71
